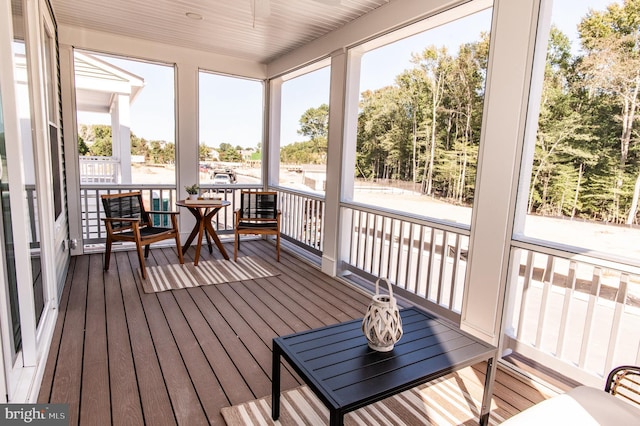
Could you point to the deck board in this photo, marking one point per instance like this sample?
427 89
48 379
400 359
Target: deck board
121 356
67 381
183 396
153 394
95 358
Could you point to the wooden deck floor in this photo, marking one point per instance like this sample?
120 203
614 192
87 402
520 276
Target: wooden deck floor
123 357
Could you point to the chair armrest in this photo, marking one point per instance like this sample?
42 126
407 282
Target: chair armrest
624 382
162 212
120 219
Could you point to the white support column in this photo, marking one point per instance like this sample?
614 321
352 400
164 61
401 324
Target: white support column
121 136
349 148
187 137
512 43
72 167
271 146
330 252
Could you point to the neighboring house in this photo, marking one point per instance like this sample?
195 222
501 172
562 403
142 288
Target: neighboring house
106 89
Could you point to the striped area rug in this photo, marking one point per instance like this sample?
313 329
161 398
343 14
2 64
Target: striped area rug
176 276
441 402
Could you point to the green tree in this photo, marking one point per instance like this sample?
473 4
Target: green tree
314 124
139 146
611 67
435 62
560 132
374 157
229 153
204 152
83 149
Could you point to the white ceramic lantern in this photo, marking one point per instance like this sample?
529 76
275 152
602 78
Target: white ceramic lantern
382 325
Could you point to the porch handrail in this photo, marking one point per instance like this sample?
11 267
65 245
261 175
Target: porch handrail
596 258
462 229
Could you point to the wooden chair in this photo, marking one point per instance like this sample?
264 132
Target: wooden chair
258 214
127 220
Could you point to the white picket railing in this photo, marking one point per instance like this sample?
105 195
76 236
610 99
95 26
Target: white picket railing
576 314
99 170
425 259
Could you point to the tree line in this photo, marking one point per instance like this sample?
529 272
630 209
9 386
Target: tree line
96 140
425 128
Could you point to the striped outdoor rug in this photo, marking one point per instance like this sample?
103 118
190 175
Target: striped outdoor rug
441 402
172 277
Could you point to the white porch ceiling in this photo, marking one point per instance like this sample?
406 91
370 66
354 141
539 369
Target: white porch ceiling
227 27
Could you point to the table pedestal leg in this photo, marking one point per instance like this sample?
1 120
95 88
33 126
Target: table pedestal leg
216 239
195 229
191 237
201 231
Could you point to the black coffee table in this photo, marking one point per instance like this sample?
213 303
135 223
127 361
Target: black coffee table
338 366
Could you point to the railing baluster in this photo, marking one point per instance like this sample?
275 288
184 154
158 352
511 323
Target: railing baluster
430 262
621 299
528 274
352 231
383 244
391 245
365 248
408 283
359 253
400 250
454 275
443 263
321 224
547 282
593 294
569 288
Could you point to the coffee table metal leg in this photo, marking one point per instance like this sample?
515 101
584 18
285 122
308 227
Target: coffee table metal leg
336 418
488 392
275 382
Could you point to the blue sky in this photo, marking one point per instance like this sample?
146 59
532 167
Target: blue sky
231 109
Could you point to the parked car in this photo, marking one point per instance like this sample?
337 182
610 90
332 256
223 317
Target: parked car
222 179
224 171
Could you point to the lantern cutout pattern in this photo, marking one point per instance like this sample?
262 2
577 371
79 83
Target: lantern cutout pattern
382 325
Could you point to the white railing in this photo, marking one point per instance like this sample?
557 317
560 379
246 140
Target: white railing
576 314
302 220
301 213
96 170
426 260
